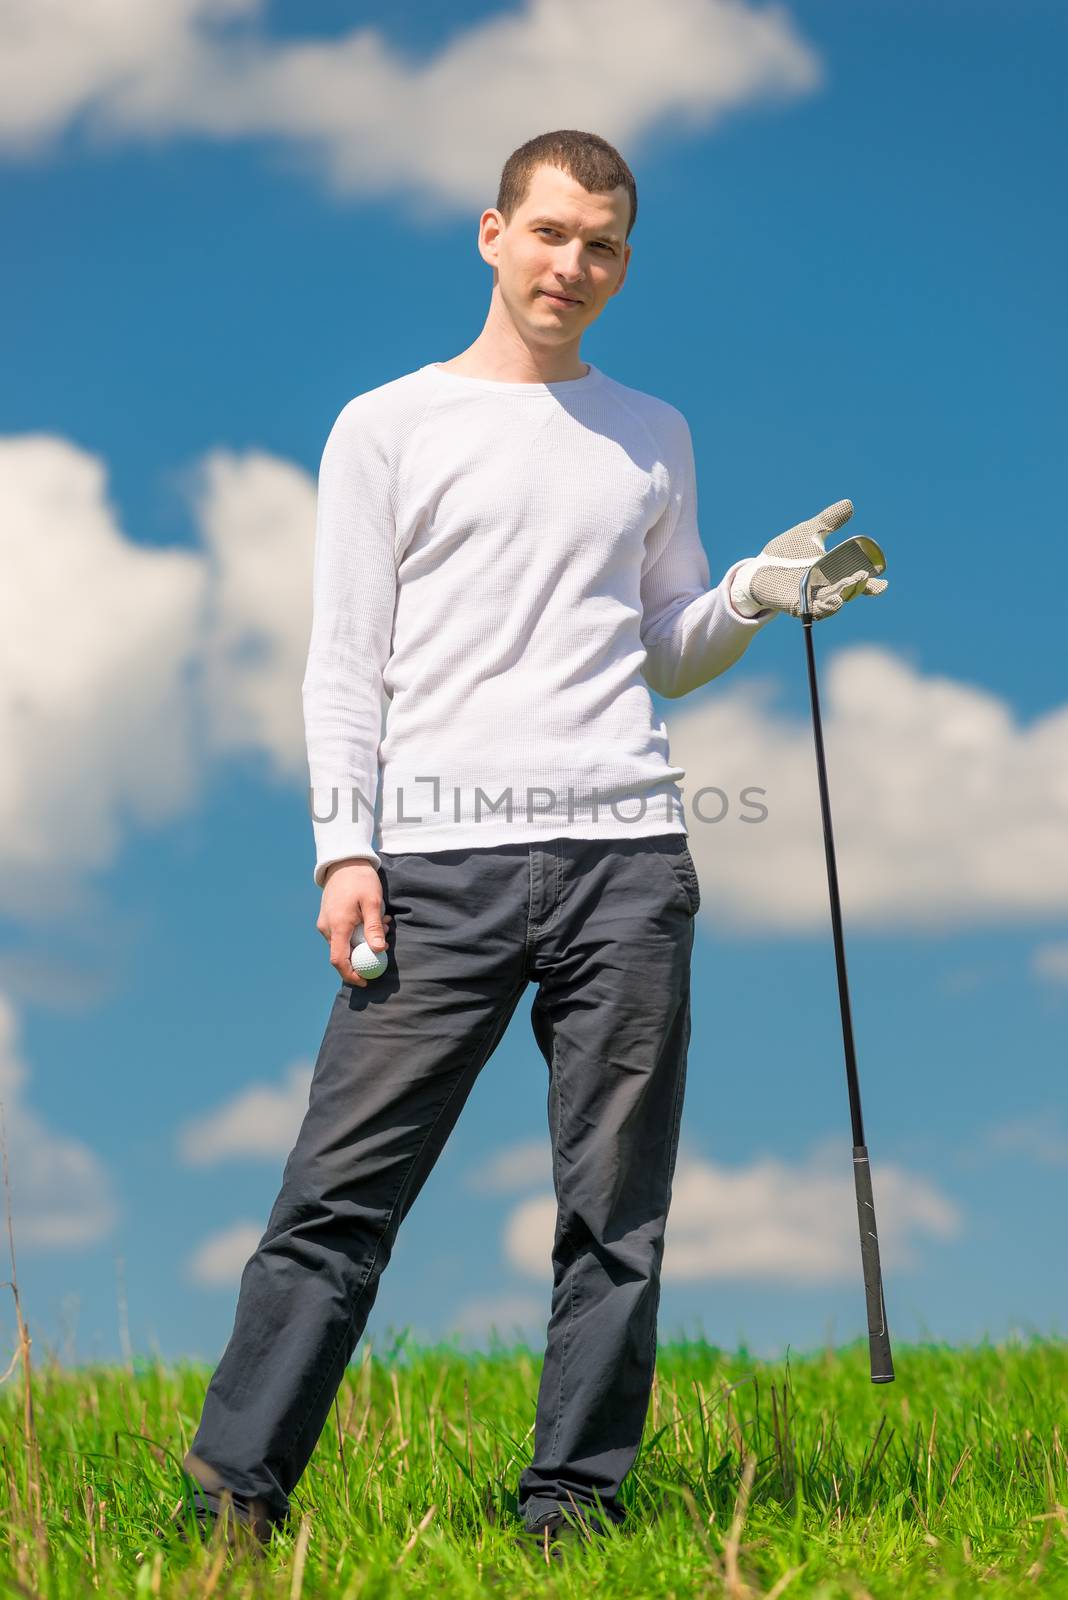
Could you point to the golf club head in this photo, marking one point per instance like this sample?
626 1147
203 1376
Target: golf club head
859 554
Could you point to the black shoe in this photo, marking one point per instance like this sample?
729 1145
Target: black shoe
558 1534
242 1532
246 1525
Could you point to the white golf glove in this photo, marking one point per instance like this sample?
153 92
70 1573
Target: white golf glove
773 578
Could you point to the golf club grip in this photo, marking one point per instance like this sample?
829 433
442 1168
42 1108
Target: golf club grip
882 1366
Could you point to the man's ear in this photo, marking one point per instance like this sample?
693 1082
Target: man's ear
491 223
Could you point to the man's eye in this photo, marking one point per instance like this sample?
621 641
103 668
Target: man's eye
600 242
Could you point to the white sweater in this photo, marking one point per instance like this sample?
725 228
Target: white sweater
502 570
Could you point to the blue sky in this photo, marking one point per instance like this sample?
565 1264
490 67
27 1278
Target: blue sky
845 273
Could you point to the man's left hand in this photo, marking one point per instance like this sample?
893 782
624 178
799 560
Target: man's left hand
773 578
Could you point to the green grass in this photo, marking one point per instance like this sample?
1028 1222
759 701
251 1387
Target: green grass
754 1479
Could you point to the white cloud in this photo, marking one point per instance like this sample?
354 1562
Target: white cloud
1038 1136
525 1165
263 1120
1050 962
771 1220
61 1192
257 519
220 1260
127 668
368 118
510 1314
947 811
98 636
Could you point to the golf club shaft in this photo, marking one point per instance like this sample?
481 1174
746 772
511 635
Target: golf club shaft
882 1367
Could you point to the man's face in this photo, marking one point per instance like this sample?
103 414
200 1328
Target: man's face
561 241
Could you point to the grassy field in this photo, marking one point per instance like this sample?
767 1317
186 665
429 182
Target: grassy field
754 1480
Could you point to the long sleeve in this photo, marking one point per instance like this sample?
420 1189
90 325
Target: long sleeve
691 632
353 597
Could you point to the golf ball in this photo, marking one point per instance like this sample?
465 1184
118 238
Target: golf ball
367 962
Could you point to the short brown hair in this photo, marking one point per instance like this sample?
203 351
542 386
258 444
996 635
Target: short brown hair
589 159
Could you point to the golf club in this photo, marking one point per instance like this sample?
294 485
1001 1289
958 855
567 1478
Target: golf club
854 555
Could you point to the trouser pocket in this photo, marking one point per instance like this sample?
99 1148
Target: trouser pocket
673 850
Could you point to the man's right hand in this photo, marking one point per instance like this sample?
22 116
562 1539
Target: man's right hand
352 893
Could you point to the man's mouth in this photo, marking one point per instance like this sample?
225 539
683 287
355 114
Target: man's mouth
560 299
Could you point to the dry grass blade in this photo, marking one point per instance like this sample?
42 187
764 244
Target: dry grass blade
212 1580
783 1442
341 1447
929 1537
300 1556
470 1433
15 1357
21 1589
736 1589
416 1536
931 1442
362 1429
869 1454
780 1583
695 1516
1034 1571
398 1408
954 1474
156 1578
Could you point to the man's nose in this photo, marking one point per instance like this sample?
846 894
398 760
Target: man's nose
570 271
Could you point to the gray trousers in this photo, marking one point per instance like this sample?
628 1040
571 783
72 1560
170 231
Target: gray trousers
605 930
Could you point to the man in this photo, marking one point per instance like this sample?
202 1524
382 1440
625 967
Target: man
506 558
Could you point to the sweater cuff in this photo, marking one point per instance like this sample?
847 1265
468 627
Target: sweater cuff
739 616
343 846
